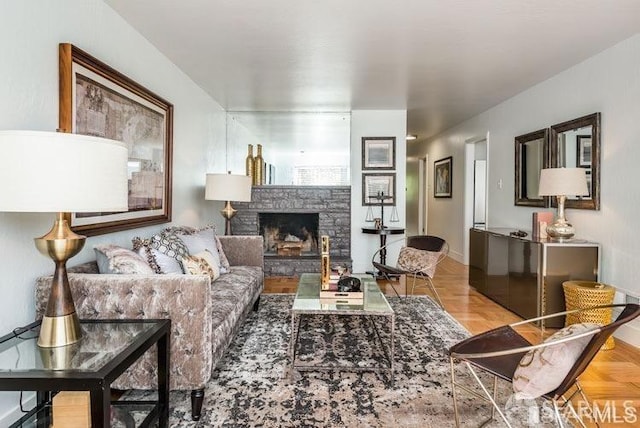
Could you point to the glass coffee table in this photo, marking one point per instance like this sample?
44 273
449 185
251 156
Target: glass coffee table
308 303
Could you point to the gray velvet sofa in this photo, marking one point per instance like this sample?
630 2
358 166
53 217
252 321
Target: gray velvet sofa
204 315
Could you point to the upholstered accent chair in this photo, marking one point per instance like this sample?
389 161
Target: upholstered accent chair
549 369
419 256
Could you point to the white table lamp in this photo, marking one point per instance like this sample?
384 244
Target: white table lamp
228 187
562 182
61 173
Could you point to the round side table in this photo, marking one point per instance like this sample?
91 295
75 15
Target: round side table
584 294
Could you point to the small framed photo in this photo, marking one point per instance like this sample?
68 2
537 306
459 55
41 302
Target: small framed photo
379 188
378 153
442 172
584 151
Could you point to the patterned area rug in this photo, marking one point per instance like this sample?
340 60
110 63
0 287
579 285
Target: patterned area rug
253 387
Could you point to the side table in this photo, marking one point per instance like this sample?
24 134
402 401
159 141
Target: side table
107 349
383 232
585 294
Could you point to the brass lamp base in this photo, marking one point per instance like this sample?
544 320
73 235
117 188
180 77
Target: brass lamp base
59 331
60 325
228 212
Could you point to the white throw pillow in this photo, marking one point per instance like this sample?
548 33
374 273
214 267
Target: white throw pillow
112 259
542 370
202 240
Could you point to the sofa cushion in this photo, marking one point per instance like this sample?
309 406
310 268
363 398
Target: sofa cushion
112 259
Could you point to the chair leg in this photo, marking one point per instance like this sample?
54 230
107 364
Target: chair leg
453 391
197 398
435 293
556 410
489 396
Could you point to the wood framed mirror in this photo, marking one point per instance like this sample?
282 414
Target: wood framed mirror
576 144
532 154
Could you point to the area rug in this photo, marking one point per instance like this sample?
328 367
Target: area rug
252 386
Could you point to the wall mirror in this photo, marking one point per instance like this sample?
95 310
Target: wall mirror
299 148
576 144
532 155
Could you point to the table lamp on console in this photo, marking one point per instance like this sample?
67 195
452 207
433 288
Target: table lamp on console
61 173
562 182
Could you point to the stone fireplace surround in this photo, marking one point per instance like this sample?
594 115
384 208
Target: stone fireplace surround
333 205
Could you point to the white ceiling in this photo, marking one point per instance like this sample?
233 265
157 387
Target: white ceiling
442 60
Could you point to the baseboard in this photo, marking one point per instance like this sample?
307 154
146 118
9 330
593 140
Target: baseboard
28 402
630 333
459 257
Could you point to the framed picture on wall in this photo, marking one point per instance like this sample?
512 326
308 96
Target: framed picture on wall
97 100
442 171
379 188
378 153
583 151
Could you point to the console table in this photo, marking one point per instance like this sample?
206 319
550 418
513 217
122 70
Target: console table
525 275
107 349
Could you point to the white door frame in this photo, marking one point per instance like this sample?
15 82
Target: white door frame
423 195
469 158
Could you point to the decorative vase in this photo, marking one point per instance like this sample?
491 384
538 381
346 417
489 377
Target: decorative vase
248 163
258 168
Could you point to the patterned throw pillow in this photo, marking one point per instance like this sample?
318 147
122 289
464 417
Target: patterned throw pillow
542 370
113 259
158 261
415 260
170 245
201 264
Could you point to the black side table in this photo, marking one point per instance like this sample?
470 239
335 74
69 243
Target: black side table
107 349
383 238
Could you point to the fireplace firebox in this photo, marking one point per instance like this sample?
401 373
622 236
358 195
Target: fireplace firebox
289 234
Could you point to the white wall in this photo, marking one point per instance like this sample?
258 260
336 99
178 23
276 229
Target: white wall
375 123
29 37
609 83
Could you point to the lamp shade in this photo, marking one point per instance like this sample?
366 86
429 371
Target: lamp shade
563 181
60 172
228 187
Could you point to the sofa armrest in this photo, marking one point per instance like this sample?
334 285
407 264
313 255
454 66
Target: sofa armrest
185 299
243 250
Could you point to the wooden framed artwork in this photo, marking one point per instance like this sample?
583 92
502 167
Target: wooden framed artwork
97 100
442 184
583 151
379 188
378 153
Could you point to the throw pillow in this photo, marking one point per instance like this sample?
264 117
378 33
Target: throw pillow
200 241
201 264
415 260
113 259
170 245
159 262
542 370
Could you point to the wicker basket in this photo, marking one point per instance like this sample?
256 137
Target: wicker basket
585 294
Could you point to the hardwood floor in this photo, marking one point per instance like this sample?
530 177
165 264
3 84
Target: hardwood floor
613 378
